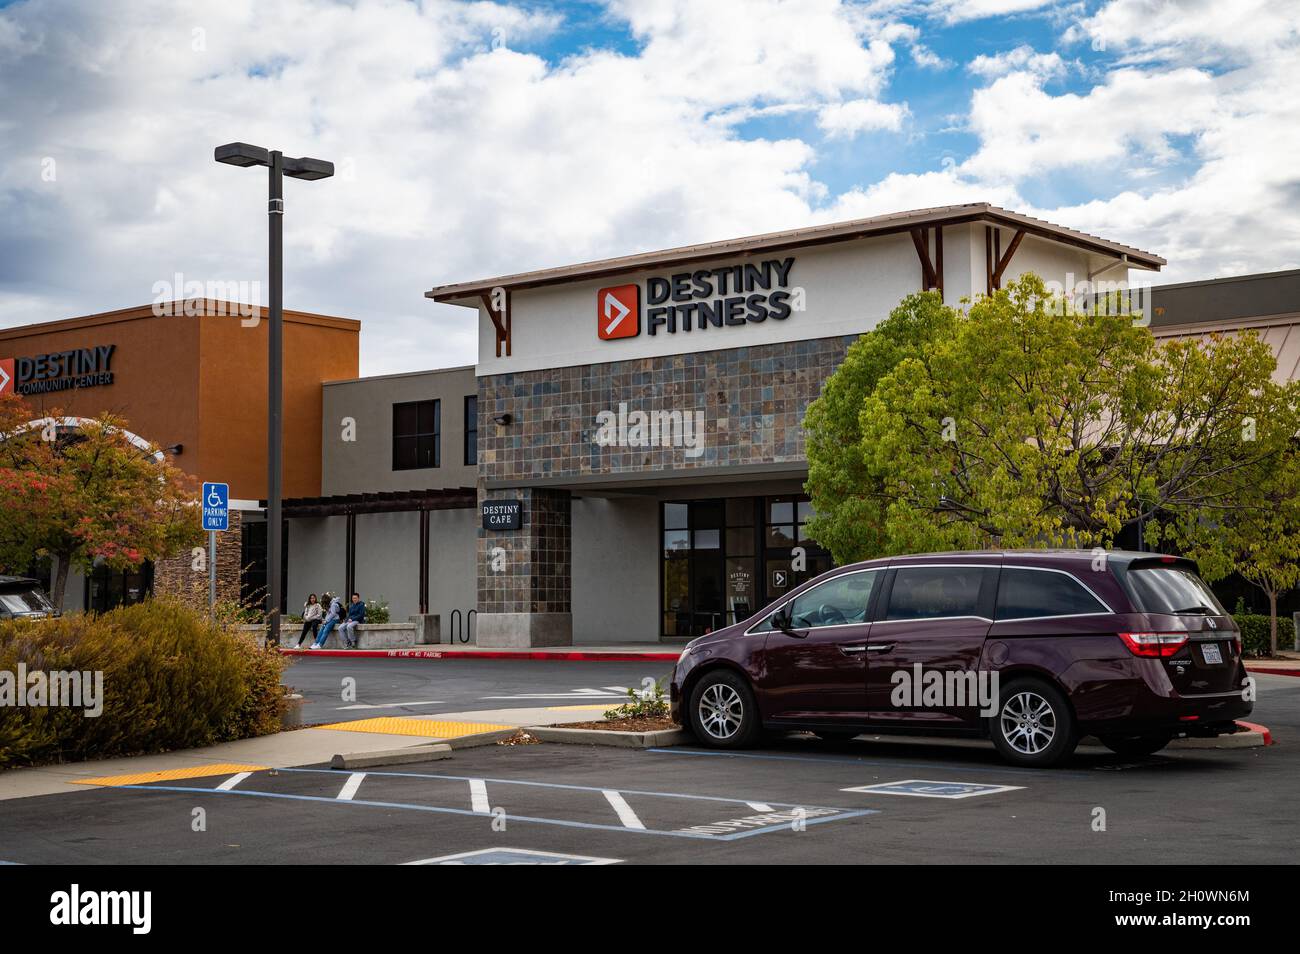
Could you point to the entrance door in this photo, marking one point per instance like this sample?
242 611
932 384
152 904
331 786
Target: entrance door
936 617
817 671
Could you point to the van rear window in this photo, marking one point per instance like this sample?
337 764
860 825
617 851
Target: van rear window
1173 590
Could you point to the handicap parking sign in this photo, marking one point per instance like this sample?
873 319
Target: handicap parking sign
513 856
926 788
216 507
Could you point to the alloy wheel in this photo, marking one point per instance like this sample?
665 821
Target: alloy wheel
1028 722
721 711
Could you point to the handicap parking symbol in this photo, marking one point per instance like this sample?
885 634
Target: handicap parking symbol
926 788
513 856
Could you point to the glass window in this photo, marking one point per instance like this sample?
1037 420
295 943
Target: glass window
780 536
1171 589
675 516
932 592
780 511
740 542
740 511
708 539
471 430
417 434
1028 593
676 541
837 602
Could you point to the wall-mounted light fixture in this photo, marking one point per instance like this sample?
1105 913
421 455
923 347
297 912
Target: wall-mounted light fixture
175 449
503 419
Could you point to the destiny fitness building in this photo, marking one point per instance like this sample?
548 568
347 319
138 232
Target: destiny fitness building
626 461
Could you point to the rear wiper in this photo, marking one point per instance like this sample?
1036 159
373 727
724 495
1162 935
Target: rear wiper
1207 610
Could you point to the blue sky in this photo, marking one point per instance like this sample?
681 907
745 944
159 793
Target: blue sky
482 138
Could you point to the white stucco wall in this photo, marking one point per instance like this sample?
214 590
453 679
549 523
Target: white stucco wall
615 570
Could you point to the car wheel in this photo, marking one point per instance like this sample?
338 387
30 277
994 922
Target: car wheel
1135 744
722 711
1034 725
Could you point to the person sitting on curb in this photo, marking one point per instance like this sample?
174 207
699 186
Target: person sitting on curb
356 614
331 620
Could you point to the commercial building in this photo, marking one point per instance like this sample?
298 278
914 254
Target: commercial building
188 377
626 460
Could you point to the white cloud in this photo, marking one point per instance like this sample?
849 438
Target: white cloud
846 120
1022 58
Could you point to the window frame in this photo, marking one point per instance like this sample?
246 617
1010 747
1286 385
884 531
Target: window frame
471 432
986 600
872 604
436 433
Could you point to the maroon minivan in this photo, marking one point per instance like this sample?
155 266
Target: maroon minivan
1032 649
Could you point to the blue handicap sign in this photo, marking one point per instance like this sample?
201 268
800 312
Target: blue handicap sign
925 788
216 507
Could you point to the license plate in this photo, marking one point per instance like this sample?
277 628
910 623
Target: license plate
1210 653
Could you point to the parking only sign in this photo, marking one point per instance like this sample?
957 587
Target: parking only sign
216 507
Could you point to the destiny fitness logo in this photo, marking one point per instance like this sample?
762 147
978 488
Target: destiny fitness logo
920 688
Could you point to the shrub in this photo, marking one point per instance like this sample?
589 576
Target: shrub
377 611
1255 631
649 703
172 679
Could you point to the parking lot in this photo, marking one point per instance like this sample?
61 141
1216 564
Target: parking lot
794 800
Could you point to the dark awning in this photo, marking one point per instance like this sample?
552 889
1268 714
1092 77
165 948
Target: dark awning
395 501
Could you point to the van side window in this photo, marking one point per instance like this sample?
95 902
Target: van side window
1025 594
840 600
932 592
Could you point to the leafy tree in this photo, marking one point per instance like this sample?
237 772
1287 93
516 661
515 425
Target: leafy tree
1022 422
86 494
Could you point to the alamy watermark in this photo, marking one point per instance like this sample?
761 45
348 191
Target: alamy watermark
1099 296
624 428
57 689
195 299
921 688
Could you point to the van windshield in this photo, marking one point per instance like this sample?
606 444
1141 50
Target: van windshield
27 601
1173 590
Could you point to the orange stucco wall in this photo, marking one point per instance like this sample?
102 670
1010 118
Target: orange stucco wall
201 382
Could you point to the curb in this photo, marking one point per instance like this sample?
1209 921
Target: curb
1254 736
626 740
1273 670
480 738
416 753
575 656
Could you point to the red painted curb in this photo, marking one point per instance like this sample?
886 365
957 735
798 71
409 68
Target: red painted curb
1261 729
577 655
1273 672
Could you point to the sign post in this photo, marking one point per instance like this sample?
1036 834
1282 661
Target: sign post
216 517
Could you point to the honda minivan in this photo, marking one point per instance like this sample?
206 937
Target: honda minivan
1031 649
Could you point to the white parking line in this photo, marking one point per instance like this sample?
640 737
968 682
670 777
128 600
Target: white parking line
350 786
478 796
231 782
760 806
624 810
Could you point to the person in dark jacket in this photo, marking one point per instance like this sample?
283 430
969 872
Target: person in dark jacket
356 614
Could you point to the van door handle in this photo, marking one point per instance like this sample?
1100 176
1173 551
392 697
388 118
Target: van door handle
852 650
879 647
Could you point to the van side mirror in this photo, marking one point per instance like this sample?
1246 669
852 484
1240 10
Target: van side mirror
781 620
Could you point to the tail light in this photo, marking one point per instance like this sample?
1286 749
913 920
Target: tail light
1154 645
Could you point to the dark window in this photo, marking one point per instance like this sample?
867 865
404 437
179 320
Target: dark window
471 430
931 592
1028 593
1167 589
417 435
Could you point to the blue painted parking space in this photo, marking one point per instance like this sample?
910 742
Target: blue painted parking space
926 788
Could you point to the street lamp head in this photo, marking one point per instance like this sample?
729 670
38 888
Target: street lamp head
242 154
308 168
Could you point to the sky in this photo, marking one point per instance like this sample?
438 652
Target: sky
479 139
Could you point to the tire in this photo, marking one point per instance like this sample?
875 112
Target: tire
1135 744
1034 725
722 712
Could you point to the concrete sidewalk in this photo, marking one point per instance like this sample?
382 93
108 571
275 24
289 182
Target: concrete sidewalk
307 746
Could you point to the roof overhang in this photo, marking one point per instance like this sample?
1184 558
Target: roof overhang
978 212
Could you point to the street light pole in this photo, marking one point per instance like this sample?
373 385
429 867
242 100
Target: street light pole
242 154
275 395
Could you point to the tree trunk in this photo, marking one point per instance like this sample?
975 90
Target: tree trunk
1272 621
60 581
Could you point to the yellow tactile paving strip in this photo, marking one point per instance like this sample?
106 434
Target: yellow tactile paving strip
168 775
426 728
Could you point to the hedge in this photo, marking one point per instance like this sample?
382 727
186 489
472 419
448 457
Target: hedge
172 679
1255 638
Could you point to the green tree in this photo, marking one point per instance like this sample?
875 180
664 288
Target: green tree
86 495
1022 422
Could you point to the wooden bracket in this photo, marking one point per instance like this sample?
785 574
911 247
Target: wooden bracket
1003 260
500 318
921 239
